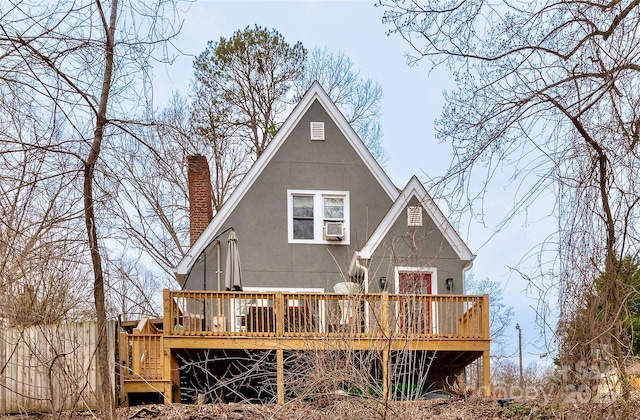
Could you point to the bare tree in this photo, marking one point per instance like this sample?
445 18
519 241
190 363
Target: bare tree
85 64
134 290
234 113
156 191
500 314
42 260
358 99
245 84
210 126
554 90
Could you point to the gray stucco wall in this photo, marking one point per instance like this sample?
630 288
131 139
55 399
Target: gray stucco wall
260 219
421 247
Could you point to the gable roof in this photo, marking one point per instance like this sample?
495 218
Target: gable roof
415 188
315 92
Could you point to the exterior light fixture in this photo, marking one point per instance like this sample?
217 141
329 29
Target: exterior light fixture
383 283
449 283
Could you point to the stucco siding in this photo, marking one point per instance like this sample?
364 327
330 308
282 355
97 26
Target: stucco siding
260 218
421 247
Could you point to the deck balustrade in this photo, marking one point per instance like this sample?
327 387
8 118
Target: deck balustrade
299 315
144 359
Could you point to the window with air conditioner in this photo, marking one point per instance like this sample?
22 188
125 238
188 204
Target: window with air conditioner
318 217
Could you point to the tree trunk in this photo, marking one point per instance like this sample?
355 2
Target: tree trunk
613 305
89 214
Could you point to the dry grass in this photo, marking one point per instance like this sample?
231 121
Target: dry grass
358 408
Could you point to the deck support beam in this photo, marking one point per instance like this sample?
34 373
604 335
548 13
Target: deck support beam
486 373
280 374
386 331
168 383
486 361
386 379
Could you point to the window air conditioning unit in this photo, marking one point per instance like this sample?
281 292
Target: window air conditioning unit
333 231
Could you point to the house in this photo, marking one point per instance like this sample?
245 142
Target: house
328 241
315 199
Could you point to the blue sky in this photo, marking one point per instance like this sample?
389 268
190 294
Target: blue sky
412 101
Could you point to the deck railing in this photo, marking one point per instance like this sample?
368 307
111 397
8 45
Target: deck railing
283 314
142 357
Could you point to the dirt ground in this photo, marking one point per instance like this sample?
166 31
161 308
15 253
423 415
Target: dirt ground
336 409
360 409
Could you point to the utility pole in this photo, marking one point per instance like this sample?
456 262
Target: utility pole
520 351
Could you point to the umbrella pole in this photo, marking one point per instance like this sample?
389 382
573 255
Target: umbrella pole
218 275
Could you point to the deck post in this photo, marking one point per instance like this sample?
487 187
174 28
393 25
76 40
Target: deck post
279 314
279 318
486 373
167 376
385 375
280 374
168 316
386 334
485 318
175 377
384 315
136 355
486 359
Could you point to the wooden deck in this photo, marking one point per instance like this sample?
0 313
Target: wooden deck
454 326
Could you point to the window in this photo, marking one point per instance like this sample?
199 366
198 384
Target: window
302 216
318 217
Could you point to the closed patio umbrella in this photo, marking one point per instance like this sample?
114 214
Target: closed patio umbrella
233 272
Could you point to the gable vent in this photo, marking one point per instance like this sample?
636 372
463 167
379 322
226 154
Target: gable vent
414 216
317 131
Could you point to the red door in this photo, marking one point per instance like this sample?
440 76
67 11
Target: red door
415 283
415 308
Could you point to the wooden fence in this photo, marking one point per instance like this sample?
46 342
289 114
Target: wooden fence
51 367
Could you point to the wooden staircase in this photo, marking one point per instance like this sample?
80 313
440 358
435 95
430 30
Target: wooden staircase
142 362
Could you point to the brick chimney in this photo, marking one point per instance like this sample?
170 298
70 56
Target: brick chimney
200 204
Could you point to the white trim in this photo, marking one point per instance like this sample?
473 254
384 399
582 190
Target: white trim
318 216
464 277
415 188
365 280
314 93
430 270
